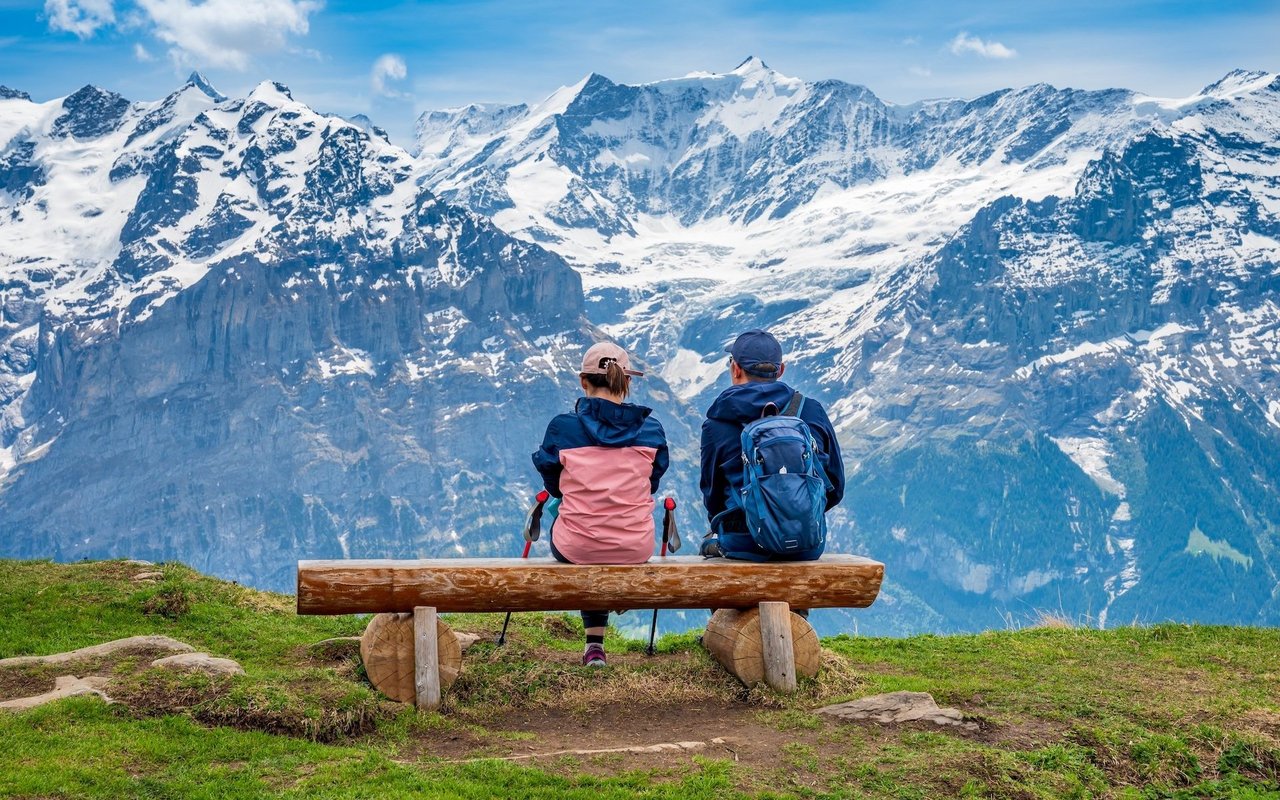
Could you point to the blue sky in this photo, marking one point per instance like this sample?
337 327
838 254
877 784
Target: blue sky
393 60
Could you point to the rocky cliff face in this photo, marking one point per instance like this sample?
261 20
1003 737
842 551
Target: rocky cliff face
1045 320
284 348
1130 327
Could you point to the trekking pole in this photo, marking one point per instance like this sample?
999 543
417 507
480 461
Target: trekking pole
532 531
670 537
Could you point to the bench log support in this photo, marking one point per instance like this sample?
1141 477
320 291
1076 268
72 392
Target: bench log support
389 650
779 650
426 659
735 639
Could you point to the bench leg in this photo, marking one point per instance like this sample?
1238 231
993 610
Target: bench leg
779 649
426 658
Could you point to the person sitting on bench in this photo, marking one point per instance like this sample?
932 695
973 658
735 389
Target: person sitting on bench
757 393
601 464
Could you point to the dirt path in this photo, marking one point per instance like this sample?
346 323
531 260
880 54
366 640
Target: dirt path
733 732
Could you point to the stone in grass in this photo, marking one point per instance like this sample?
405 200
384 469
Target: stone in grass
334 649
899 707
199 662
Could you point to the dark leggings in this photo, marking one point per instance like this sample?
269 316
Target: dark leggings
590 619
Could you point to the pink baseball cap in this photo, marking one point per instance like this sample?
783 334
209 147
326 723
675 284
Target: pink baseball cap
596 361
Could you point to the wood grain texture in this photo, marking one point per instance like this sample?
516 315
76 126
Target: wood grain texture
542 584
779 652
387 651
733 639
426 659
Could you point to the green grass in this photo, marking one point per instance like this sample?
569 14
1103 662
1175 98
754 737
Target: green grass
1166 711
82 748
1156 676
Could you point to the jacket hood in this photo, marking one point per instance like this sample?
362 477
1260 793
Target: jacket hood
743 404
611 424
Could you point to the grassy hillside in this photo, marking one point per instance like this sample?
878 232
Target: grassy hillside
1165 711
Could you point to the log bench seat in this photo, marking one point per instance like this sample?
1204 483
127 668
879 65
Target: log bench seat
754 634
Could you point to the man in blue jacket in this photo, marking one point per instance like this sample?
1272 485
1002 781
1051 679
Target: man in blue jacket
755 367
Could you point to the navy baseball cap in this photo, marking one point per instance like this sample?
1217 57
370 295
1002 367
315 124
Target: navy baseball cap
758 353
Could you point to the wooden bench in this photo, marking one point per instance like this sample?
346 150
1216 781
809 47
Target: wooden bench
754 635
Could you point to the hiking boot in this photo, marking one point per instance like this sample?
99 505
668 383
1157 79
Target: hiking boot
594 656
710 547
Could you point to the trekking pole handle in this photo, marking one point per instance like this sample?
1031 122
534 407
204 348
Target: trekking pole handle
541 497
669 505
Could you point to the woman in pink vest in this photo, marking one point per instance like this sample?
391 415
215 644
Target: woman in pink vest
602 463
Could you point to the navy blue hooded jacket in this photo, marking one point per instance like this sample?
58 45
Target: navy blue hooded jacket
722 442
596 422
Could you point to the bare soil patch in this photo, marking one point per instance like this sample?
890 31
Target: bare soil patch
795 743
524 732
16 682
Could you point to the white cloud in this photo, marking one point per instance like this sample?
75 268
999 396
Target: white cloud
81 17
226 33
199 33
964 43
142 54
911 41
388 67
921 72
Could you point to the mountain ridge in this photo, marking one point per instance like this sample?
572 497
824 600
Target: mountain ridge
1079 270
263 341
1038 318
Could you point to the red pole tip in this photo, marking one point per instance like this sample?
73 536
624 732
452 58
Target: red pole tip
542 496
669 504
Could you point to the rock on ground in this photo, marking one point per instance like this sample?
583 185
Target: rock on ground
899 707
338 647
199 662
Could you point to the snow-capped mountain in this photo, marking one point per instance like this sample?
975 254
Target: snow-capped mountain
1045 320
741 146
763 183
239 333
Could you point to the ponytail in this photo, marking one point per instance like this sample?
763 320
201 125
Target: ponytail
615 380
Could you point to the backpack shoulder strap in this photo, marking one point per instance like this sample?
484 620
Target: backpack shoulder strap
793 407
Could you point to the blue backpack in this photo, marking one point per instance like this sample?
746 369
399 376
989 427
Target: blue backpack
784 487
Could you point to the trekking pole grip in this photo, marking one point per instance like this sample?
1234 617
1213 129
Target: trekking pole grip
670 535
